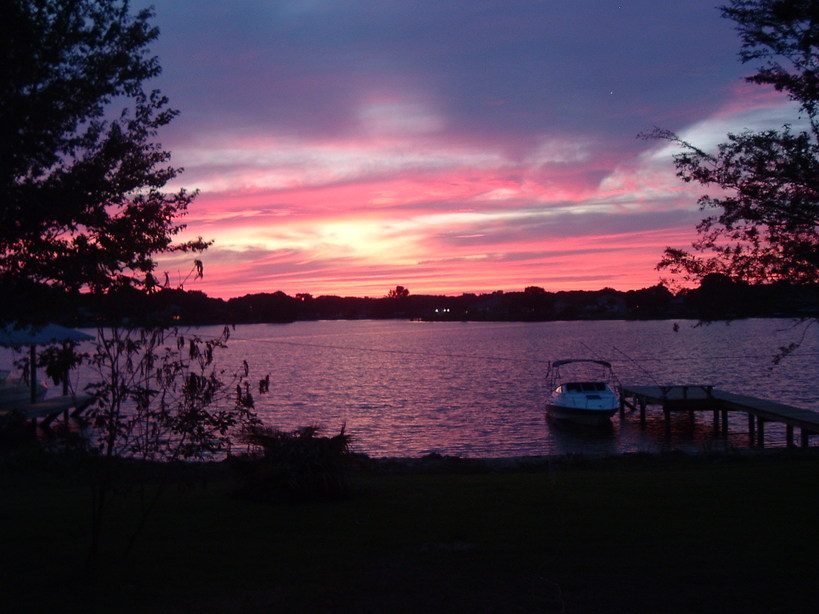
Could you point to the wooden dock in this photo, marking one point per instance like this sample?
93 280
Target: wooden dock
50 409
693 398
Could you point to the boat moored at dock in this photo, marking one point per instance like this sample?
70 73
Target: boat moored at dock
579 397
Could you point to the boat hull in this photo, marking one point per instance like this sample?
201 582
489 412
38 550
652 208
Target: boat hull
580 415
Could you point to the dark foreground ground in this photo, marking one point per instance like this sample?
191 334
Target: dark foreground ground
646 534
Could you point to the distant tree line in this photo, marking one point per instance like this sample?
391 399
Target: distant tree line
717 298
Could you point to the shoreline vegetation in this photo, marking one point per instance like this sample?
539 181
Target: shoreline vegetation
717 298
633 533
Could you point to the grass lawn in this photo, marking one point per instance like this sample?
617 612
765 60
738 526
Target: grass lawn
656 536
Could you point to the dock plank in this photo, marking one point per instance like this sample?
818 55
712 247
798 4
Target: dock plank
53 406
699 397
770 410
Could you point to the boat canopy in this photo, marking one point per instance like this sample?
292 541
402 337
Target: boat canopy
560 363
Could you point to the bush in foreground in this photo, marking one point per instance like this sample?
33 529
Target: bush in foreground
297 465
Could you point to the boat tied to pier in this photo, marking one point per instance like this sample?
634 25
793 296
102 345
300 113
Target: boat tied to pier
578 396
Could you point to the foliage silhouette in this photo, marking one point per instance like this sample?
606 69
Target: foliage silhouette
766 183
81 177
398 292
84 212
159 398
296 466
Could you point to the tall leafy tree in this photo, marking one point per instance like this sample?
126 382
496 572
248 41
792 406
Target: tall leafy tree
765 185
82 204
83 207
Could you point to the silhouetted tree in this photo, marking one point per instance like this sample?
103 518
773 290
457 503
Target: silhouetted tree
766 184
159 397
398 292
265 307
81 177
297 465
82 207
649 302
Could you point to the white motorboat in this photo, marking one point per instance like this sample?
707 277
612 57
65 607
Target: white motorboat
582 397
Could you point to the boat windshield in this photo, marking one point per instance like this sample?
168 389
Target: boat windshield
585 386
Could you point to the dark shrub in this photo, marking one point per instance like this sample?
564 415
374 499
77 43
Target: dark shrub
297 465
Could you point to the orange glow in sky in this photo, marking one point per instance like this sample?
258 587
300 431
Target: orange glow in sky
457 147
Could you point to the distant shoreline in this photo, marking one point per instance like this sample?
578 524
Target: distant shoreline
717 298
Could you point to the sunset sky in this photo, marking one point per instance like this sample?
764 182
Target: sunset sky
345 147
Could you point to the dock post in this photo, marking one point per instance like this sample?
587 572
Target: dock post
667 413
642 414
760 433
789 435
716 421
805 438
751 429
725 424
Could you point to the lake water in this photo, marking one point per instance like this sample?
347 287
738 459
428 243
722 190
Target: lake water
477 389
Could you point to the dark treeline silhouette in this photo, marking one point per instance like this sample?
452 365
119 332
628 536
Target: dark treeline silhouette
716 298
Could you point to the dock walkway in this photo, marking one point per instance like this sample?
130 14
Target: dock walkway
702 397
50 409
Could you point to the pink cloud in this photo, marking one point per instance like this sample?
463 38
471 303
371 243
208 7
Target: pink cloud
440 226
343 151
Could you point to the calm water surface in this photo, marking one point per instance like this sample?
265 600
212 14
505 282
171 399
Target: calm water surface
477 389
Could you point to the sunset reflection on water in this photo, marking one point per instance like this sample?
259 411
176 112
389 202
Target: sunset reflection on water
477 389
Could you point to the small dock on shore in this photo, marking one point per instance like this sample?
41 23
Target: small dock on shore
694 398
48 410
